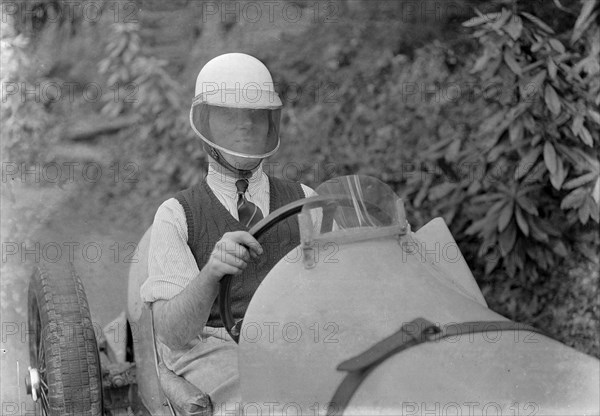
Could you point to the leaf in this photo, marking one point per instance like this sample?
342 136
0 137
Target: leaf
577 124
439 145
593 206
552 69
481 62
586 137
439 191
584 212
594 115
563 117
537 46
552 100
479 33
515 112
579 157
476 21
574 199
528 205
582 20
515 131
514 27
496 152
538 22
512 63
500 21
476 226
452 150
559 176
527 162
423 191
536 174
560 249
507 239
537 233
505 216
487 198
550 158
557 45
521 221
474 187
551 228
491 261
495 209
450 214
596 192
588 252
492 123
530 88
120 47
582 180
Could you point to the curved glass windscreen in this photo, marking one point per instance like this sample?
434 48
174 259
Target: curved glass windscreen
356 202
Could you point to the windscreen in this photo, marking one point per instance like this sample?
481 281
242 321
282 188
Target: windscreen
359 202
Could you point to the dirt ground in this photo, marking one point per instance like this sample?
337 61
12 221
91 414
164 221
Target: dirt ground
59 222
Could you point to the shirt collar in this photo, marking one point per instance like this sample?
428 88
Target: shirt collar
224 183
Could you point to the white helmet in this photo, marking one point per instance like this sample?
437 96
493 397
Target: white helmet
243 84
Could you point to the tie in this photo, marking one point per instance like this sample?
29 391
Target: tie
248 213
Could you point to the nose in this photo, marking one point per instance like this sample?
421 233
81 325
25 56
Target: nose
245 121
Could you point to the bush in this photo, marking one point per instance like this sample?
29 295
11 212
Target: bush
163 143
520 189
26 132
532 183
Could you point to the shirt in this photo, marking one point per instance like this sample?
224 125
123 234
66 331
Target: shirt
171 264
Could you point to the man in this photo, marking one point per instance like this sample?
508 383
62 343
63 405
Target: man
202 234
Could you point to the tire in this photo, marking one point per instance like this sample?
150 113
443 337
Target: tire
62 345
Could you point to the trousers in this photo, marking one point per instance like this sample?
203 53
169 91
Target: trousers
211 364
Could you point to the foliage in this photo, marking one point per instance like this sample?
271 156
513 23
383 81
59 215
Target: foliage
166 148
532 162
362 107
25 122
35 15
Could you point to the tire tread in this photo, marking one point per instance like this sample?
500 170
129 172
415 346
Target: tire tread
72 361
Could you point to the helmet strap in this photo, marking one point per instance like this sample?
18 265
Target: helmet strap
218 157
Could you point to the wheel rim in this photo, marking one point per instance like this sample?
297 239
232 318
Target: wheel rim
38 373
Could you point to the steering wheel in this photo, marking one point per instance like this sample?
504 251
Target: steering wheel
323 201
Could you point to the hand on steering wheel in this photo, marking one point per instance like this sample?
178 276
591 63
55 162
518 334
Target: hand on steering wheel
233 328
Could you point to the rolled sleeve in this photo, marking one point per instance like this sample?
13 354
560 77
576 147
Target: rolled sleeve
171 264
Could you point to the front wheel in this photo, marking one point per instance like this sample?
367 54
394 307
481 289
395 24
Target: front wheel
64 375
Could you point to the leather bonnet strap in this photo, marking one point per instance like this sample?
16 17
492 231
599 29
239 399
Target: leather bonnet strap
416 332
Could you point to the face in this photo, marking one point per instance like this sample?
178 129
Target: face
241 130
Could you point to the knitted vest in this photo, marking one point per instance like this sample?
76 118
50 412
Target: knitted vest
207 221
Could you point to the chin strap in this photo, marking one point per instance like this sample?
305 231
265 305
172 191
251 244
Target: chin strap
218 157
